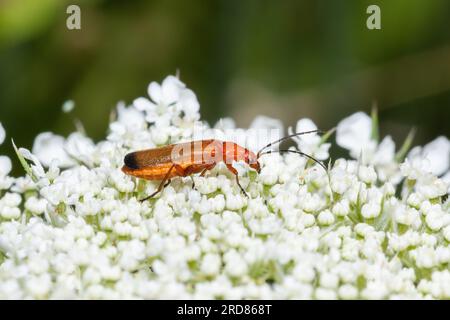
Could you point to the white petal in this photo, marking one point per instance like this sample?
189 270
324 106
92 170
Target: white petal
263 130
354 132
241 167
438 153
385 152
143 104
2 133
171 88
415 153
79 146
263 122
48 146
130 117
28 155
189 102
225 123
155 92
162 121
5 166
36 167
322 151
305 125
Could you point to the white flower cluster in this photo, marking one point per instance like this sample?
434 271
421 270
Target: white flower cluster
374 227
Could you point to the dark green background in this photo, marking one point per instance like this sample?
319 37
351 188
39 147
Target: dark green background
287 59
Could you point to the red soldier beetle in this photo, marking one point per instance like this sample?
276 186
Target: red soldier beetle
185 159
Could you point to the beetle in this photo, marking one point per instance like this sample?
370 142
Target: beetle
188 158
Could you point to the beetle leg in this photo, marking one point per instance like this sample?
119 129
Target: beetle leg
179 169
161 186
185 172
242 189
202 174
234 171
209 167
191 169
167 183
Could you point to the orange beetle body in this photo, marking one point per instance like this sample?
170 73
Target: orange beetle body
184 159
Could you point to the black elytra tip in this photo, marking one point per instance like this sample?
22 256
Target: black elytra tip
131 161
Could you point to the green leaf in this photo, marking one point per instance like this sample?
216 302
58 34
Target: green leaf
361 282
401 154
327 135
375 135
2 256
24 163
252 174
382 221
79 126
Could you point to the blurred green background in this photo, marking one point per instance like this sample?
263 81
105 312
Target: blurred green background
286 59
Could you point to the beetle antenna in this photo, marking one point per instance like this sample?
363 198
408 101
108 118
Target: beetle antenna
300 153
285 138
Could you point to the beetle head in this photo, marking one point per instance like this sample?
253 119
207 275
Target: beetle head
252 161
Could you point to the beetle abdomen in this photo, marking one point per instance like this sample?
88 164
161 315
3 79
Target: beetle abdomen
146 158
131 161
